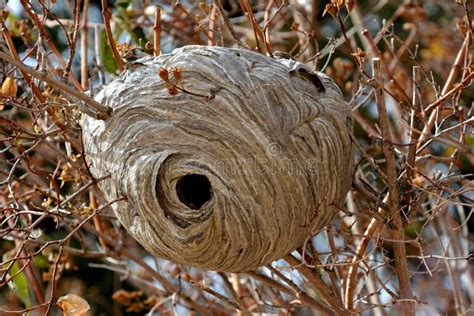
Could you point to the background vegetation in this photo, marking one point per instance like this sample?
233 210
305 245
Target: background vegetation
401 244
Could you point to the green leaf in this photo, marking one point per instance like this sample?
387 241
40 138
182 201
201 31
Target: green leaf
122 18
122 3
19 284
108 60
139 36
41 262
469 139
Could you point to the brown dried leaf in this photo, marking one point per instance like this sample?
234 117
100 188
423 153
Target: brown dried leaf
177 73
172 90
462 26
360 54
47 202
73 305
163 73
339 4
350 4
9 87
331 9
66 174
127 298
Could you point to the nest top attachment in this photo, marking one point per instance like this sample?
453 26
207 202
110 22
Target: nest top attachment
228 159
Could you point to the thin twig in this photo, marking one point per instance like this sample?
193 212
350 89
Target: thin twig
84 40
101 112
107 15
385 67
462 85
456 68
212 25
318 284
157 32
98 55
221 297
257 30
398 232
45 35
372 229
227 23
230 288
305 299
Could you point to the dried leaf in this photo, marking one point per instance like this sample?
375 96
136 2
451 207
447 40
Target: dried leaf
9 87
463 27
66 174
331 9
148 45
73 305
177 73
172 90
360 54
350 4
338 4
163 73
47 202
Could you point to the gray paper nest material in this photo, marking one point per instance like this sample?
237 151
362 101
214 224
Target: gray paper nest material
234 172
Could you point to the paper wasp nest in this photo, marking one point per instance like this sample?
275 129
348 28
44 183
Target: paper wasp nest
228 159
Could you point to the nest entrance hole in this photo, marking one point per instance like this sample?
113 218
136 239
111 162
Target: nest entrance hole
194 190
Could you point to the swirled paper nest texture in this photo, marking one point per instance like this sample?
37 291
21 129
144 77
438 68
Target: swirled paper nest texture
228 159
